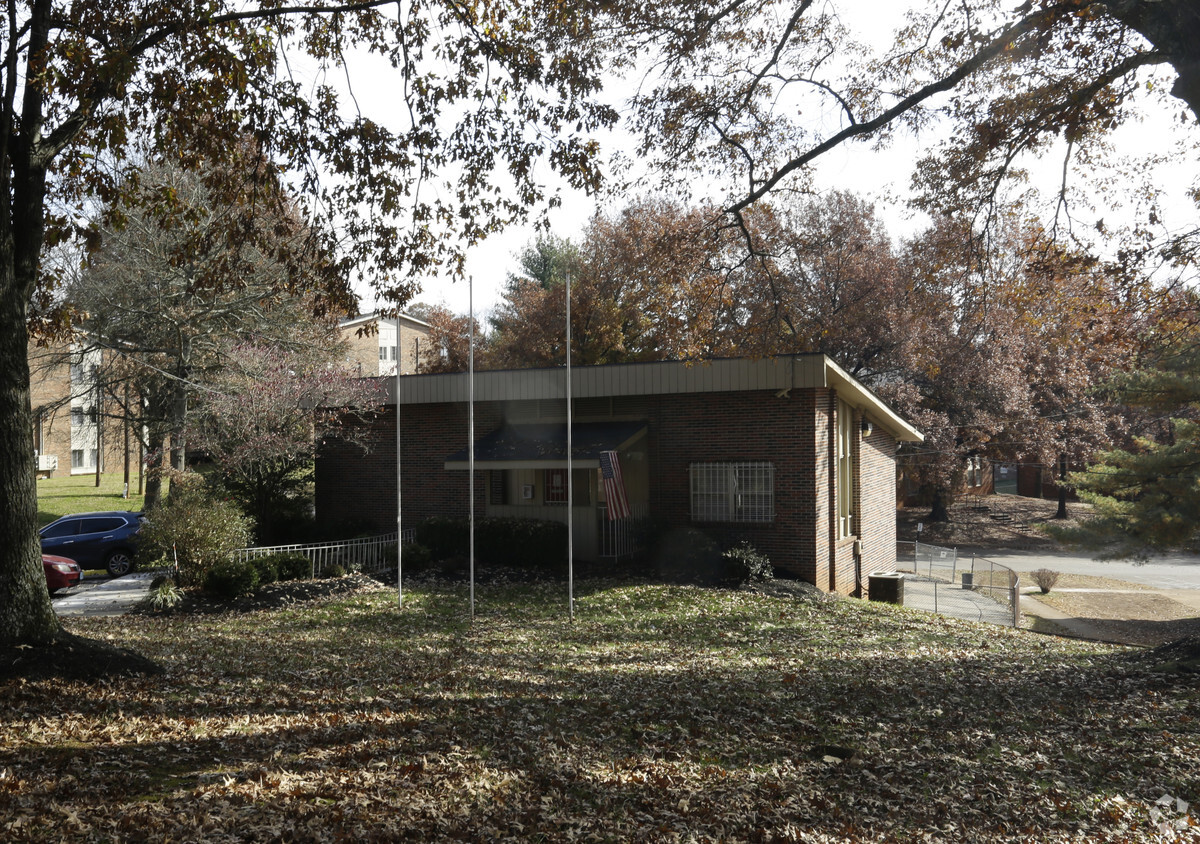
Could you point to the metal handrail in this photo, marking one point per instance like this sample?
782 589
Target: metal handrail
367 555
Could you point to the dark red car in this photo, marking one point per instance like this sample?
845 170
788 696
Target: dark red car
61 573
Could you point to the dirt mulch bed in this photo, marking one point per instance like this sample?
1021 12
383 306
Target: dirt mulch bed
269 597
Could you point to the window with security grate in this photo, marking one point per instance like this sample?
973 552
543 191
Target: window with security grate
733 492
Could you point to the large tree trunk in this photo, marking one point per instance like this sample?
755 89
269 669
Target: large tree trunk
1173 27
937 511
26 615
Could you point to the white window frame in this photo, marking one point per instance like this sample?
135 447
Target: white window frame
733 492
846 470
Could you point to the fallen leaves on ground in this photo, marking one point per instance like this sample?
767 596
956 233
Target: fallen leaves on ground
663 713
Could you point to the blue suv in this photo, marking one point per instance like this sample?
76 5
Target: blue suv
95 539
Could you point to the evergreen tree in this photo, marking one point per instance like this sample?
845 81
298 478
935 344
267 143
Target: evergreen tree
1147 497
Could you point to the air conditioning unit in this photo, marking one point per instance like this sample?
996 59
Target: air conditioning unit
47 462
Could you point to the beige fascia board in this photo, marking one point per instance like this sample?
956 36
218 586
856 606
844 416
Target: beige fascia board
860 397
779 374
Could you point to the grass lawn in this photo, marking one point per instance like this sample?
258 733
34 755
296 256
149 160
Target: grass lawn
79 494
663 714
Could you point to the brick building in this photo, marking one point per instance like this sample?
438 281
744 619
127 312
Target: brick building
385 342
72 428
790 453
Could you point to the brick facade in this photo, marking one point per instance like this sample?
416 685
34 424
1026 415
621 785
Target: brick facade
403 340
55 432
794 432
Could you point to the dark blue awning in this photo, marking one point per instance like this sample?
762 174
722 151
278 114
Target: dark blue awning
544 446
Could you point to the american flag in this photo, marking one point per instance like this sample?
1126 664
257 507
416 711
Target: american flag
614 486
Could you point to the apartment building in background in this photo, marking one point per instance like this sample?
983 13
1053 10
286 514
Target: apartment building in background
379 344
74 433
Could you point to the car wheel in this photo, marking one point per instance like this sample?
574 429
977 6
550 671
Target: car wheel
118 563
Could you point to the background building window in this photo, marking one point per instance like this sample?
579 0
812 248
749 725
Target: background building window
77 458
733 492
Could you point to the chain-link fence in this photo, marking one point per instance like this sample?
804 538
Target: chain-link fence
971 587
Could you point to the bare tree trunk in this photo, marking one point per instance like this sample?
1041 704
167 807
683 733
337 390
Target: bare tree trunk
154 474
1062 489
938 512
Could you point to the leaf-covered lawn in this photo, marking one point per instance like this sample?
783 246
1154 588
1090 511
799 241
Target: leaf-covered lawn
663 714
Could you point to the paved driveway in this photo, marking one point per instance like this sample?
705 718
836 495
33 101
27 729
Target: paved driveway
103 596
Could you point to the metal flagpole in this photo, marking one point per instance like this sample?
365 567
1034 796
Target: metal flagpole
400 521
471 425
570 479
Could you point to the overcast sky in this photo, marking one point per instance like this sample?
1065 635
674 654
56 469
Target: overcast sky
853 167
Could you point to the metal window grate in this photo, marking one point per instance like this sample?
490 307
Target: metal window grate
733 492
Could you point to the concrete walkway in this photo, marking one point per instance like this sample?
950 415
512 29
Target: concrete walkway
954 601
104 597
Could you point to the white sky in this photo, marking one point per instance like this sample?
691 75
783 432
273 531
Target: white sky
853 167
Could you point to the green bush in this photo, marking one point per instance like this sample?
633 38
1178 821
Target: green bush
197 529
526 543
292 565
267 568
444 536
336 570
688 555
743 564
417 558
231 578
506 541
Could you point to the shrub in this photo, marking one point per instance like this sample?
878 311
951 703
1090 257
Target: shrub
292 566
164 593
198 529
445 537
231 578
506 541
743 564
267 568
417 558
1045 579
528 543
688 555
336 570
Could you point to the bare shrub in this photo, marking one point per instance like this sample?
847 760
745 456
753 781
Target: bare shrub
1045 579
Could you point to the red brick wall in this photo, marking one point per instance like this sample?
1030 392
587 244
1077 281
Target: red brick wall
795 434
877 506
357 489
737 427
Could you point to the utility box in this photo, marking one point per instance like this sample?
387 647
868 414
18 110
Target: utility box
968 580
886 586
